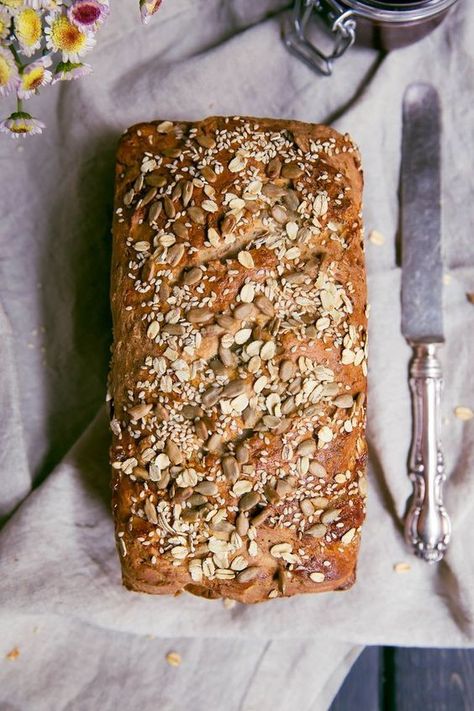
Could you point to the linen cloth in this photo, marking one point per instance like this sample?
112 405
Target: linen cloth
85 642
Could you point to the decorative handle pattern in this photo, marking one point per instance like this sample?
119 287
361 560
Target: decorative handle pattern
427 525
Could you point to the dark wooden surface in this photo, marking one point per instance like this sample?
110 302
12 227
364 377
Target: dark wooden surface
398 679
362 688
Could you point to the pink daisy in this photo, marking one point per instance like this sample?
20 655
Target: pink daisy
87 14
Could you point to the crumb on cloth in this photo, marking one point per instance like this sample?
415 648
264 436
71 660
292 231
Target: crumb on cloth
173 659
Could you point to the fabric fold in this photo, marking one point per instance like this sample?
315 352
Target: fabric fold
15 478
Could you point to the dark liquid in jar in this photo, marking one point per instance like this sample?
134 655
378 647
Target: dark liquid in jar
397 3
402 32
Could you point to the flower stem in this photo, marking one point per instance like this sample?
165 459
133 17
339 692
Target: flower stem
19 105
16 57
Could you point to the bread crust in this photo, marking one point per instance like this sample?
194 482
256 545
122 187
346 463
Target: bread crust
238 258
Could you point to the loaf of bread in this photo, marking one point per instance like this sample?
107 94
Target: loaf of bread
238 373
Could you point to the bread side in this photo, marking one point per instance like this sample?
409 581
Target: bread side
238 373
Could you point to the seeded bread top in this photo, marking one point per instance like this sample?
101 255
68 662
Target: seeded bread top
239 366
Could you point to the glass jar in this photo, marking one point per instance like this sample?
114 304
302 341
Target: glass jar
381 24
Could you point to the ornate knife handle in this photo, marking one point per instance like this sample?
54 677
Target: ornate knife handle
427 525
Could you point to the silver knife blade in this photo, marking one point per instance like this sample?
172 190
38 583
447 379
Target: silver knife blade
422 265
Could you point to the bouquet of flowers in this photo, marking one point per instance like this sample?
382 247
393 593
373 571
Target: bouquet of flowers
43 42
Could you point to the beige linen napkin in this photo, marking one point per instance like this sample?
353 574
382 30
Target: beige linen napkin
59 570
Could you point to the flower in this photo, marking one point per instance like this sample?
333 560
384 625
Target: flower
54 34
28 30
53 6
148 8
8 72
13 4
70 70
87 14
44 4
63 36
5 21
34 76
21 124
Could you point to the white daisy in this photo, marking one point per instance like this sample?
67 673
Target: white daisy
34 76
148 8
28 30
63 36
9 76
5 23
13 6
65 71
21 124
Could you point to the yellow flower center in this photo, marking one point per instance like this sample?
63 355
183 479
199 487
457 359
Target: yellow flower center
5 71
12 3
66 36
33 79
28 27
21 127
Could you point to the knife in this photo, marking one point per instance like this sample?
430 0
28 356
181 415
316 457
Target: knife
427 524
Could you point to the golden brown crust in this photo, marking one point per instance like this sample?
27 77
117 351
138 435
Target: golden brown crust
238 301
